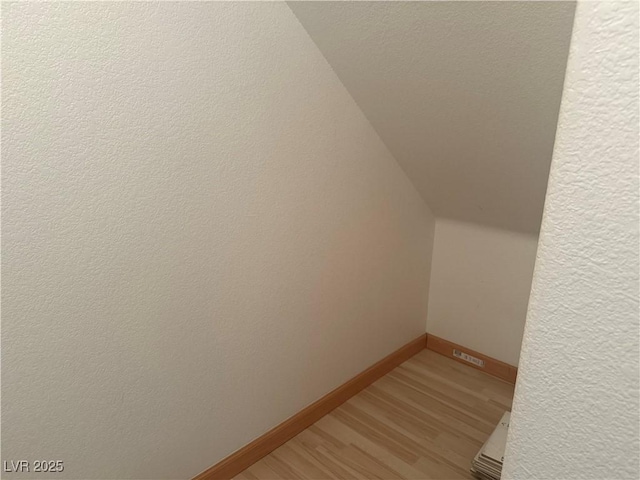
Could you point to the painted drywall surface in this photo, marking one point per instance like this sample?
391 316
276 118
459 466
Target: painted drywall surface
480 283
576 410
465 95
202 234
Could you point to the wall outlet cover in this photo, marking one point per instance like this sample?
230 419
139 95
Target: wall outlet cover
468 358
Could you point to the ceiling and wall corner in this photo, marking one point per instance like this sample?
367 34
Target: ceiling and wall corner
464 94
466 97
576 410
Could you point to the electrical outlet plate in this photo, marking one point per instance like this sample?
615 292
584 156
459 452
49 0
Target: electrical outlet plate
468 358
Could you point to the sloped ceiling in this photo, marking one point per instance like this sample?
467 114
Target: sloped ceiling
464 94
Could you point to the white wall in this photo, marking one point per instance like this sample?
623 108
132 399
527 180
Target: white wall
576 410
464 94
480 283
202 234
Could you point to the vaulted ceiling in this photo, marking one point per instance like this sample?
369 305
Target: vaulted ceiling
464 94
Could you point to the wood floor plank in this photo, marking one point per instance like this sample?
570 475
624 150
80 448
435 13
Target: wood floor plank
261 470
424 420
383 453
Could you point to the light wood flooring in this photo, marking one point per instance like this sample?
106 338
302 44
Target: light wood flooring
424 420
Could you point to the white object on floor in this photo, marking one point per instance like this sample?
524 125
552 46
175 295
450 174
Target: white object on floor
487 464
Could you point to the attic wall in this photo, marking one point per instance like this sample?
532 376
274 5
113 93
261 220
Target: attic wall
480 283
201 233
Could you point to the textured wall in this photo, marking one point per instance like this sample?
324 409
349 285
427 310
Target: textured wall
480 283
464 94
202 234
576 411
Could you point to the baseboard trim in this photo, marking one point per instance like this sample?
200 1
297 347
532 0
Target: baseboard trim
262 446
494 367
